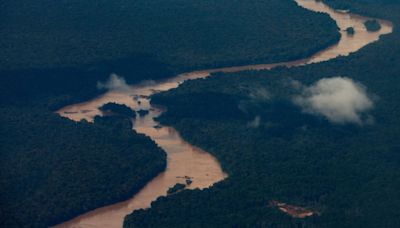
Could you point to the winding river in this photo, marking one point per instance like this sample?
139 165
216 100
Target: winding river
183 159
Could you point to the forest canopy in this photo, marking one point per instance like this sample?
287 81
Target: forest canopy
53 168
274 150
113 108
181 34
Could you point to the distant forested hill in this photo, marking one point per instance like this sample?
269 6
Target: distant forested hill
179 33
279 138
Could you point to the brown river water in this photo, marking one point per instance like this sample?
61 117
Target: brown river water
184 159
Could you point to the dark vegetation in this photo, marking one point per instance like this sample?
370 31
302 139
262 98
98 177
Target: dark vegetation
350 31
117 109
366 6
77 67
58 87
52 172
372 25
142 112
180 34
176 188
348 173
53 168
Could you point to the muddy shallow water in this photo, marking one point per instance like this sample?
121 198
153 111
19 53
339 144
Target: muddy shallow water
184 159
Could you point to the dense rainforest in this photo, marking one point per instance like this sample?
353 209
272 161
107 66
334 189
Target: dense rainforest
113 108
181 34
288 135
53 168
55 171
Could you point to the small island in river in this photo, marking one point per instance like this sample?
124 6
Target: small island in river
112 108
372 25
350 31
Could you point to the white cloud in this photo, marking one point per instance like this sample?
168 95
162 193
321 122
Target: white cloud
339 99
115 82
255 123
260 94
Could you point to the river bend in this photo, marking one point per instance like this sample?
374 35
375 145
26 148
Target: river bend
183 159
